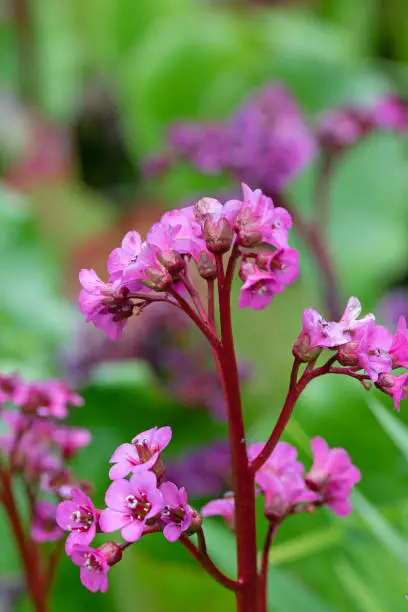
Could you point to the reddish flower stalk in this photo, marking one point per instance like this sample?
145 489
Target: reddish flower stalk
263 576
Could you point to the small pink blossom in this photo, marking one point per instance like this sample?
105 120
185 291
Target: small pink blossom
71 439
399 346
122 257
46 398
130 504
141 454
148 270
283 264
105 304
283 493
395 386
282 460
44 527
224 507
332 476
259 287
79 516
94 567
176 515
259 221
9 386
372 349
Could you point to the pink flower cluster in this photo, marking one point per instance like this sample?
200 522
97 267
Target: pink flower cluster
139 271
361 345
286 488
37 446
141 504
341 128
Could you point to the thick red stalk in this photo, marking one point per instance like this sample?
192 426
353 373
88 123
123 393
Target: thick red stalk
27 549
206 563
242 479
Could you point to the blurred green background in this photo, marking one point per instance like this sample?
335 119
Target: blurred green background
87 90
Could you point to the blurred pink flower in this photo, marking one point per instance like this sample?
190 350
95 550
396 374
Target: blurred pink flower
224 507
44 527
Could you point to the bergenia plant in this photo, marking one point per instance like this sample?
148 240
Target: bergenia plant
247 238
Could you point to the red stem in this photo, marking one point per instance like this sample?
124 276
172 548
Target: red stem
263 576
208 565
242 479
202 325
28 550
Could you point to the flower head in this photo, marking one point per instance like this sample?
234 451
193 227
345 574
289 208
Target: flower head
122 257
176 515
94 567
71 439
332 476
130 504
105 304
395 386
79 516
141 454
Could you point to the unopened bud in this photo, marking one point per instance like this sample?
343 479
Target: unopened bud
303 350
246 269
206 266
347 355
248 238
217 235
205 207
157 279
172 261
112 552
196 522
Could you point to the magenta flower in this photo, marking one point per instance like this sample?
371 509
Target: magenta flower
105 304
343 127
142 454
46 398
259 221
176 515
395 386
71 439
79 516
130 504
122 257
9 386
283 264
44 527
216 222
205 144
94 567
224 507
391 113
148 270
283 493
399 346
259 287
332 476
372 349
282 461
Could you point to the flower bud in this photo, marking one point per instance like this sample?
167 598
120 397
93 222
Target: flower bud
303 350
205 207
347 355
172 261
249 238
157 279
217 235
112 552
196 522
206 266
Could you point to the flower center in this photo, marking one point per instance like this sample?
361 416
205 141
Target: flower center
91 563
139 506
83 519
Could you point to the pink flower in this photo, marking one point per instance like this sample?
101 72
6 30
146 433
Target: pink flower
372 350
71 439
130 504
317 333
142 454
46 398
221 507
399 346
44 527
283 493
332 476
122 257
148 270
283 264
391 112
105 304
259 221
395 386
217 222
79 516
259 287
176 515
282 460
94 567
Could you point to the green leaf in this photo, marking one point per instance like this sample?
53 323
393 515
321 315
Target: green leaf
360 593
392 425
